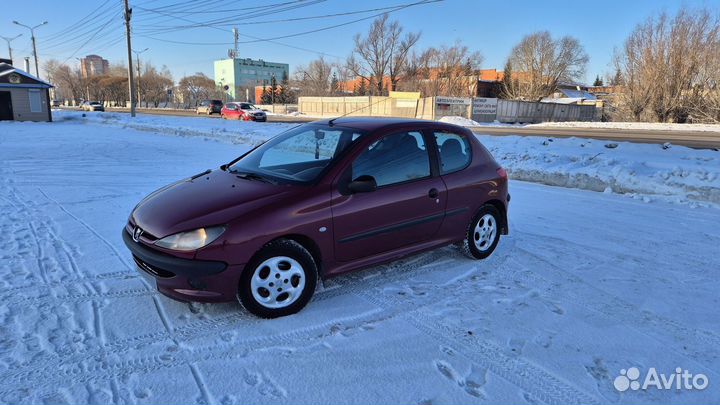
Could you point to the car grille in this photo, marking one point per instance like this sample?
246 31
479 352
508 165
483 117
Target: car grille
155 271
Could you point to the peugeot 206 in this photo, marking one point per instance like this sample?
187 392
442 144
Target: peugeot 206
319 200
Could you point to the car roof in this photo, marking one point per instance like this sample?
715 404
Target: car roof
376 123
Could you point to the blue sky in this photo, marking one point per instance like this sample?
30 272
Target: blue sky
492 27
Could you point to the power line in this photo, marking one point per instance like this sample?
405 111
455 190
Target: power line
164 28
398 8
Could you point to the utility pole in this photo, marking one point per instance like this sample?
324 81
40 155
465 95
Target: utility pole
32 36
131 84
235 35
137 63
8 40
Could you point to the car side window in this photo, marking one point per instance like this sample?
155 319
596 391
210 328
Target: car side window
454 151
394 159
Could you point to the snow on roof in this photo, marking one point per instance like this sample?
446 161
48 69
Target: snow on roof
578 94
6 69
563 100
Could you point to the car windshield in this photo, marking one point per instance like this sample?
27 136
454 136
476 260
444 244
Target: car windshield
94 103
298 155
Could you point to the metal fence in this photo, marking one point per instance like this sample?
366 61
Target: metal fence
434 108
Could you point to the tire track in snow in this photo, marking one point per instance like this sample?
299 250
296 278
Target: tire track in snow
616 308
42 367
518 371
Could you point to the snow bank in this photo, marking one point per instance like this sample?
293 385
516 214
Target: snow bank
646 126
232 131
678 173
465 122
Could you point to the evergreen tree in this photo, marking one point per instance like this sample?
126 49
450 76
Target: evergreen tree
285 94
334 84
266 97
598 81
507 85
273 89
617 80
362 90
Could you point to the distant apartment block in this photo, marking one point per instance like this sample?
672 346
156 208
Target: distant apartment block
240 73
93 65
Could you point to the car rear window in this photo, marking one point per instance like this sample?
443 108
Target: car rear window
454 151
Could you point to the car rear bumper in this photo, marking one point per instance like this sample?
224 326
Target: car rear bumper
185 279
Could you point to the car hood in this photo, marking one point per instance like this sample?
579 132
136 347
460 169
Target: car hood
256 111
212 198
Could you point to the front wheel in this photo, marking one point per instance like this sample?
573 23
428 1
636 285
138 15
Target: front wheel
279 280
483 233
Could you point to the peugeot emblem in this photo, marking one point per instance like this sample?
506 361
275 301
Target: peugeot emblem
136 234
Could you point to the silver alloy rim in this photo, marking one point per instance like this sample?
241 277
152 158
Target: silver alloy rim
485 232
277 282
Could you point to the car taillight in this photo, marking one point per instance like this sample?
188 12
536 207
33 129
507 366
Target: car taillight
502 173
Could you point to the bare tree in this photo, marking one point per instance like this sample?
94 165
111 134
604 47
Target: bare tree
382 53
314 80
540 63
194 88
154 85
444 71
68 80
668 66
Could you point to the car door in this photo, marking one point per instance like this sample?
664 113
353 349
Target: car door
406 208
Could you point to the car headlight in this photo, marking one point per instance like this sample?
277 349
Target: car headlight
191 240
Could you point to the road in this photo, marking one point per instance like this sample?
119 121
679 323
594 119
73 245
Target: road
693 139
585 285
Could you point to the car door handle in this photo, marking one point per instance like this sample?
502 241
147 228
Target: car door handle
433 193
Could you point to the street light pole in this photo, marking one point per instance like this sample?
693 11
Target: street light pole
32 36
8 40
137 59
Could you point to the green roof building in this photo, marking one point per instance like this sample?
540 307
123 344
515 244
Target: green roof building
241 74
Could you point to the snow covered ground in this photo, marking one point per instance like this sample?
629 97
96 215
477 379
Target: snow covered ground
586 284
643 126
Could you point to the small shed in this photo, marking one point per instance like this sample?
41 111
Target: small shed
23 97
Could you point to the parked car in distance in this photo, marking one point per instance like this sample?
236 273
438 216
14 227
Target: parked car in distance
209 107
56 103
243 111
92 106
319 200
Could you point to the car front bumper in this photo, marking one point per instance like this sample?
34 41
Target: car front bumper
185 279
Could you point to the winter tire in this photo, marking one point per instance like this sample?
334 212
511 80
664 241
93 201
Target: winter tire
279 280
483 233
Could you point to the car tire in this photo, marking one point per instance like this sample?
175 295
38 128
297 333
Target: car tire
483 233
279 280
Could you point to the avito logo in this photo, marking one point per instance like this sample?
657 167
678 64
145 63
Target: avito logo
679 380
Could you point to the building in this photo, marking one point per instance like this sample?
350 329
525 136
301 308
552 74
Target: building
23 97
240 75
572 93
93 65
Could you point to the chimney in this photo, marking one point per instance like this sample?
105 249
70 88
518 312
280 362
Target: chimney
27 64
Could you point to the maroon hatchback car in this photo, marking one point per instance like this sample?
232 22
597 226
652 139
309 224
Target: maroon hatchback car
316 201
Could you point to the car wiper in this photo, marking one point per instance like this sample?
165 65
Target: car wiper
253 176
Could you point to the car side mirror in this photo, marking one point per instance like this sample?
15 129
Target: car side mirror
363 184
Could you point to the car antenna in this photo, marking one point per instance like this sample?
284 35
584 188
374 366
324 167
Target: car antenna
331 122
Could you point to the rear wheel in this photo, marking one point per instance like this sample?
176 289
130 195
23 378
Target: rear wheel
483 233
279 280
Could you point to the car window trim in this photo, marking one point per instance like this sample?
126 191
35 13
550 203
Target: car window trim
385 134
468 146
